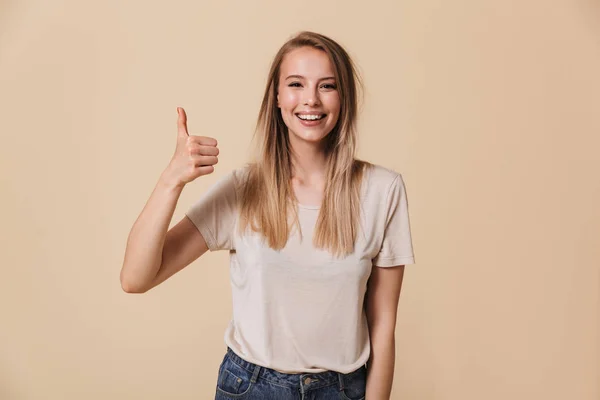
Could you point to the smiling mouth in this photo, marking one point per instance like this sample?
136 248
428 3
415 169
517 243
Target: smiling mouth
311 117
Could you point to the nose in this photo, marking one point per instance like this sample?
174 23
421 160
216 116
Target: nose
312 97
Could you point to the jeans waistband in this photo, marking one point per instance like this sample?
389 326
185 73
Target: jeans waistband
317 379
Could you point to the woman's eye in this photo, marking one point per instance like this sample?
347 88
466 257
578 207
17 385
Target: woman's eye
326 86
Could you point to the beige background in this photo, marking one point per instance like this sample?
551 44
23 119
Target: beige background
489 109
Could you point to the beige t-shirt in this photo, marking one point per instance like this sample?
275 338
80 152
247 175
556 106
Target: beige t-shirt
299 309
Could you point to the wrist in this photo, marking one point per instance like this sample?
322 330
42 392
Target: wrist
166 181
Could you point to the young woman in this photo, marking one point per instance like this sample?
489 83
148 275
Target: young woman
318 240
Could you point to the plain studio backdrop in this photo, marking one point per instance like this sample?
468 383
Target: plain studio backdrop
489 109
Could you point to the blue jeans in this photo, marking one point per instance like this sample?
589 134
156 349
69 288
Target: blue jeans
240 379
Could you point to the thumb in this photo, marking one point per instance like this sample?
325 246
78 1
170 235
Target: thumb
181 122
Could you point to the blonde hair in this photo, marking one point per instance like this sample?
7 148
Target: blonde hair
268 195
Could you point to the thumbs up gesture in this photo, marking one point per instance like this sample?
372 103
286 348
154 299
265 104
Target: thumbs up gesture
194 155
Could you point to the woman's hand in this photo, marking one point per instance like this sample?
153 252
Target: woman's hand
194 155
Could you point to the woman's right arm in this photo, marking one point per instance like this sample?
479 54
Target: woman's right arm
152 254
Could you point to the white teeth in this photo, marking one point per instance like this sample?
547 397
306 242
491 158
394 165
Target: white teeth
310 117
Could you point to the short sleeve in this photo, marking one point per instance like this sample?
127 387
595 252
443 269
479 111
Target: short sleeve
396 248
215 213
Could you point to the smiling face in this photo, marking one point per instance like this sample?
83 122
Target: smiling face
307 94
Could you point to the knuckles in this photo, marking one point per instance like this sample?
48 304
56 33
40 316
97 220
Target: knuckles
201 150
205 140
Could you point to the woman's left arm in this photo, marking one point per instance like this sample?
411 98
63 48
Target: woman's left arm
381 303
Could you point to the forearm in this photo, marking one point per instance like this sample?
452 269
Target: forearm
380 367
143 254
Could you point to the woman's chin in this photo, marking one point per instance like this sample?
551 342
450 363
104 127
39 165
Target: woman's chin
311 137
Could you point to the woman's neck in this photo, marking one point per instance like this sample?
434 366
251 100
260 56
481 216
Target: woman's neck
308 163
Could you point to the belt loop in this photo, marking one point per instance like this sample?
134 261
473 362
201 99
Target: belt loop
341 381
255 374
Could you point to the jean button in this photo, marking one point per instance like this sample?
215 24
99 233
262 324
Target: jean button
307 381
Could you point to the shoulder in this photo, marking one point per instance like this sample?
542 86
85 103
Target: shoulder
242 178
385 194
228 183
384 188
240 175
381 179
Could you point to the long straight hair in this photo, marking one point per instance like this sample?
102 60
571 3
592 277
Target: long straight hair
268 198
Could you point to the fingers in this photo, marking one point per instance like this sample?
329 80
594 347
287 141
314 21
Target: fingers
202 140
205 170
204 160
203 150
182 122
182 130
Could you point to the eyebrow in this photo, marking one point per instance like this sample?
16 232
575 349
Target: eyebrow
301 77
